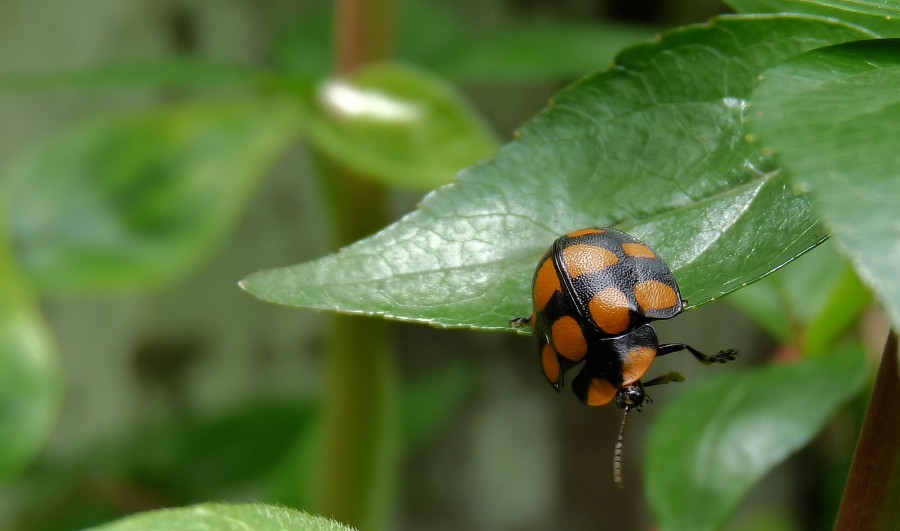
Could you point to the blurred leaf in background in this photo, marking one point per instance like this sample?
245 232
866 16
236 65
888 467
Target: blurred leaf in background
537 51
810 305
399 125
31 386
718 439
437 37
172 72
138 201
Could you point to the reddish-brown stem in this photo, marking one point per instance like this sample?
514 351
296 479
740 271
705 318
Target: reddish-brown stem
872 495
365 32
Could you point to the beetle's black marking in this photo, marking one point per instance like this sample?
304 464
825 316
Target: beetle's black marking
607 354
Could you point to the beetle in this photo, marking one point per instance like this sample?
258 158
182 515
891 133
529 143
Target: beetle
595 292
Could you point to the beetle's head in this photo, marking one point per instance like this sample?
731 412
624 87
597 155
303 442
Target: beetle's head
630 396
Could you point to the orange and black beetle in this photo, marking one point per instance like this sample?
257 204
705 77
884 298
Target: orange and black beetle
595 292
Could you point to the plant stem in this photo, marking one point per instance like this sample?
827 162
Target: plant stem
365 32
872 495
359 455
360 447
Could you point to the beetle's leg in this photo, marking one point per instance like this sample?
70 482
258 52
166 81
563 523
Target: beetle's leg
668 377
720 357
662 379
520 322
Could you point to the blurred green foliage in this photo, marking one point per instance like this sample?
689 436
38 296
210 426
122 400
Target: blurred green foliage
710 446
137 202
148 187
30 380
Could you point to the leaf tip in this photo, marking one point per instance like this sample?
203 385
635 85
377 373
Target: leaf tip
248 284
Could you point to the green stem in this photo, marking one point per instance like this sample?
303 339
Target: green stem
360 435
360 448
872 494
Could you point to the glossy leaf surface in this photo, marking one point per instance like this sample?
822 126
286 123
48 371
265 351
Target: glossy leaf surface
139 200
222 517
877 15
399 126
832 117
710 445
655 146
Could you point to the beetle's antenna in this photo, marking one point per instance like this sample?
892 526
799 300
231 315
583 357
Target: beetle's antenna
617 453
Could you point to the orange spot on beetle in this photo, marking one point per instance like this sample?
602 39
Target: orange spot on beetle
638 250
653 295
609 309
583 259
584 232
550 364
568 338
546 283
637 363
600 392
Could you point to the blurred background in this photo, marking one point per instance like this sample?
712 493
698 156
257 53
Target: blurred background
156 382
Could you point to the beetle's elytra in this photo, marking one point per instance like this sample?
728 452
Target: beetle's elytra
595 293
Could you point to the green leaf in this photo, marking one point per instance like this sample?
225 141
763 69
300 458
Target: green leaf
139 200
877 15
188 459
832 116
222 517
848 299
399 126
538 51
30 376
708 448
655 146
